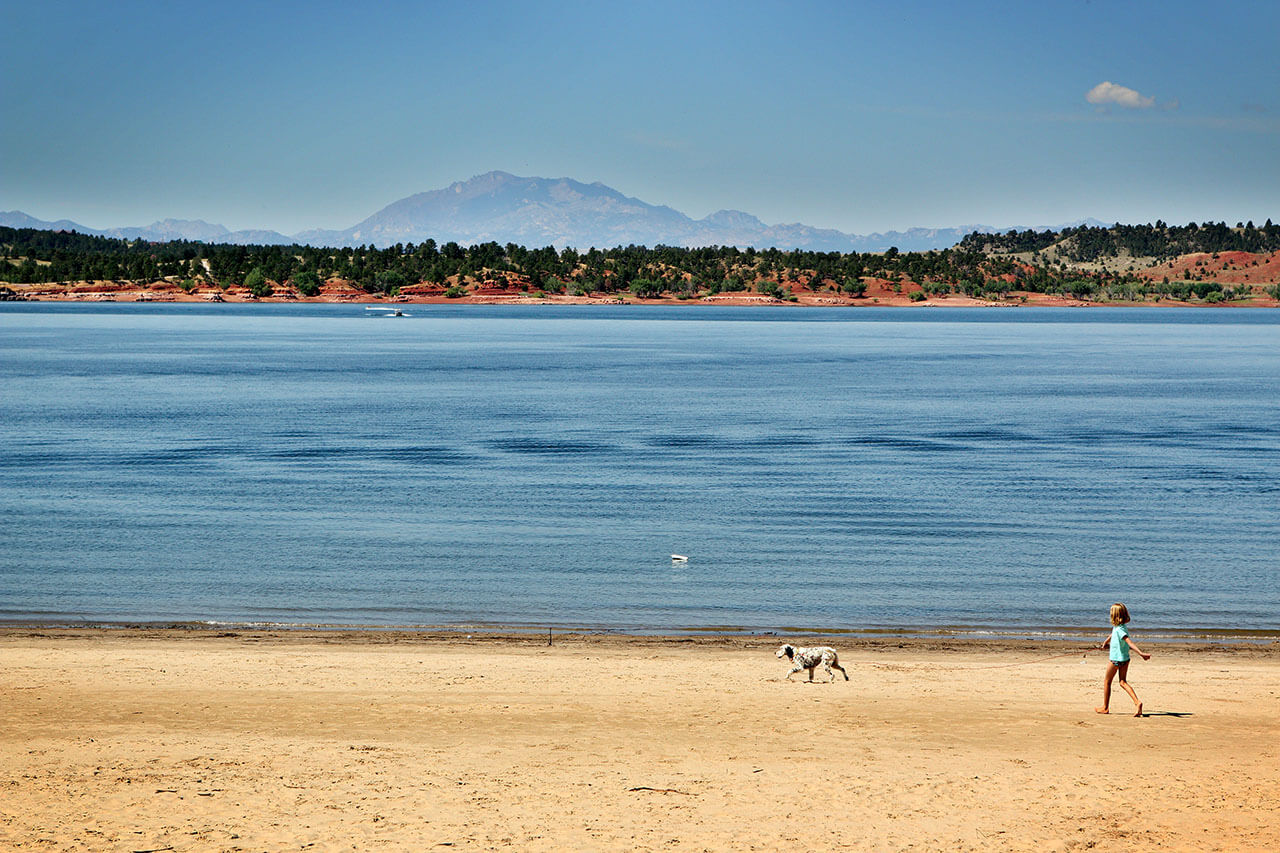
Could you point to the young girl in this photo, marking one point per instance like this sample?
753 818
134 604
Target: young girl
1120 646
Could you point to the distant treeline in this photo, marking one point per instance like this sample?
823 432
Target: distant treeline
32 256
1160 241
49 256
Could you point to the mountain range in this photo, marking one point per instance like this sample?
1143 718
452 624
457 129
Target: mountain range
534 212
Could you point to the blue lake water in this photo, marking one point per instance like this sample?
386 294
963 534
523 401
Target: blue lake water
900 469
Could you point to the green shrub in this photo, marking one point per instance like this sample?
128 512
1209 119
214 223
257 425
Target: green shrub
307 282
256 283
389 281
646 288
769 288
854 286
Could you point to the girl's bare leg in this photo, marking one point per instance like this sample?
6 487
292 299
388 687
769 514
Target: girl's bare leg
1124 682
1106 688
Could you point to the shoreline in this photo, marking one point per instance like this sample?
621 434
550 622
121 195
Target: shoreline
1032 301
166 293
1051 639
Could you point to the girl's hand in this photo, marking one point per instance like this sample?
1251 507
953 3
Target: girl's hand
1146 657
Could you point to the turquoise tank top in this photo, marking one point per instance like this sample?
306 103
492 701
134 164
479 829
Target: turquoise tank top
1119 648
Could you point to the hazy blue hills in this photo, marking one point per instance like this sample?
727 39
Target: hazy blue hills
18 219
563 212
534 212
162 231
198 229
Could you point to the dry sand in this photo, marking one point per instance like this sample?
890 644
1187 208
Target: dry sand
186 741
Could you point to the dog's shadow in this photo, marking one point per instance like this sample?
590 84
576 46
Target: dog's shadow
806 681
1178 714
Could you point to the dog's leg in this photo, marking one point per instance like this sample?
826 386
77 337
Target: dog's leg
793 671
831 676
811 669
837 665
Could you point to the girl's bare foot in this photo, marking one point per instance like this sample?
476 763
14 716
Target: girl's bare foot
1101 711
1139 714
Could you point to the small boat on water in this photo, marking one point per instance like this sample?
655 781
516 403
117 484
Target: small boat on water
389 311
679 558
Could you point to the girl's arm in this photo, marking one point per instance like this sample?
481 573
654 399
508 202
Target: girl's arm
1105 642
1139 651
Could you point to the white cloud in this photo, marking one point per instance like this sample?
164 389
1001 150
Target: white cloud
1107 92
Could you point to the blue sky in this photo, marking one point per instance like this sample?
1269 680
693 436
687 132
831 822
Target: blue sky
853 115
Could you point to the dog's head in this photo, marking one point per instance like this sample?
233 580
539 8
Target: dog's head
786 652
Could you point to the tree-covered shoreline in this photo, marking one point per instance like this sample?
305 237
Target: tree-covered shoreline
981 265
1161 241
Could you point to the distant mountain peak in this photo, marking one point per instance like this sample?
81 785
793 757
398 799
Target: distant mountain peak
487 181
184 229
531 211
732 219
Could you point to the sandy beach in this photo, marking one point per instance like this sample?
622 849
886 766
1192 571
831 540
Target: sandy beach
157 740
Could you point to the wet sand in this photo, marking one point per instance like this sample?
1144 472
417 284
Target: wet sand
137 740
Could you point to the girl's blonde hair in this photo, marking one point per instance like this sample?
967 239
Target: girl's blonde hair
1119 614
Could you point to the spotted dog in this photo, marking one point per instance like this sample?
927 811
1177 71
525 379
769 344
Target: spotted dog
810 658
